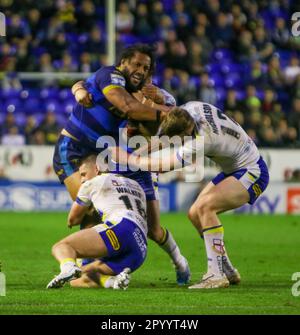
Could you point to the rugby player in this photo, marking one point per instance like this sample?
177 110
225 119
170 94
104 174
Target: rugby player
120 241
243 178
112 104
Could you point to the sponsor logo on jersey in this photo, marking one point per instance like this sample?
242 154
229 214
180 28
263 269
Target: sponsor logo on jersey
117 79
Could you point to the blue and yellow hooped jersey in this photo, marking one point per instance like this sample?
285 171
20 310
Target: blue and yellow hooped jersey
88 124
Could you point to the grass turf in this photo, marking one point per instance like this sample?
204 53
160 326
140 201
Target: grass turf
265 249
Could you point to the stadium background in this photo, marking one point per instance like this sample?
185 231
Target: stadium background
238 55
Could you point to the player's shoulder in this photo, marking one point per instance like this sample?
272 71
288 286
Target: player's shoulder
108 71
110 75
86 187
197 104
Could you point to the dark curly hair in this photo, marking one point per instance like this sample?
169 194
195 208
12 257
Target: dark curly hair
145 49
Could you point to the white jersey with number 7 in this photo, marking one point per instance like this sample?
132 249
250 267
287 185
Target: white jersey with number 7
225 141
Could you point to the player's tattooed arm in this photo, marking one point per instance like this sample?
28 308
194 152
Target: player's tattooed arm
134 109
153 93
82 96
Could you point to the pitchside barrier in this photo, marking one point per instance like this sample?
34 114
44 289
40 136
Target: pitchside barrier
28 183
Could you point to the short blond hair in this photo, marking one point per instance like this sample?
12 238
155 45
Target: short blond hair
176 122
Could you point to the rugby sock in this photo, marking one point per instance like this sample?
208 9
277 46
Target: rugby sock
66 264
106 281
169 245
228 268
214 244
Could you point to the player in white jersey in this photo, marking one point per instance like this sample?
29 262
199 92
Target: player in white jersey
119 242
243 178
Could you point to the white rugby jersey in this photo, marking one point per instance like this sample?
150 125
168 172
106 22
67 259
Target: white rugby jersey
115 197
225 141
169 99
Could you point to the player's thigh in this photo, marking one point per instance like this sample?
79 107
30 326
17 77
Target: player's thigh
228 194
73 184
87 243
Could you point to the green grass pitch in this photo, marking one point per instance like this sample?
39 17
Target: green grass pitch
265 249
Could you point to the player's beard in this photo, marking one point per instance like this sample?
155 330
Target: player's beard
130 87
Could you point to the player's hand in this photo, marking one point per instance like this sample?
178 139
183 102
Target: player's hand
152 92
83 97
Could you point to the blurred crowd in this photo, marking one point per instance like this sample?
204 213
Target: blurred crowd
238 55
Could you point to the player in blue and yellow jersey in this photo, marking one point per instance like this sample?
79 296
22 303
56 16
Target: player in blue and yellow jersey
107 102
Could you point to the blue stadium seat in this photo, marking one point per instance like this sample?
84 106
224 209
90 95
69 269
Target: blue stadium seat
32 105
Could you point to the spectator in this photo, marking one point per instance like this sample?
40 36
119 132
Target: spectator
200 37
195 58
244 47
95 44
17 30
179 12
222 32
86 65
38 137
67 65
45 66
176 55
268 138
157 12
30 127
263 46
5 56
50 128
292 70
124 18
251 102
186 90
231 103
275 77
281 34
238 18
35 25
257 75
9 122
295 88
25 62
13 137
86 16
182 28
277 114
207 93
142 25
58 46
294 116
239 118
269 101
166 24
52 29
168 82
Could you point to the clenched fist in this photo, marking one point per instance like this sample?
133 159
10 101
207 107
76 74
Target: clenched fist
83 97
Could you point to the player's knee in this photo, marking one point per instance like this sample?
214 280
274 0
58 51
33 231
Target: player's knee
204 205
55 247
192 214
